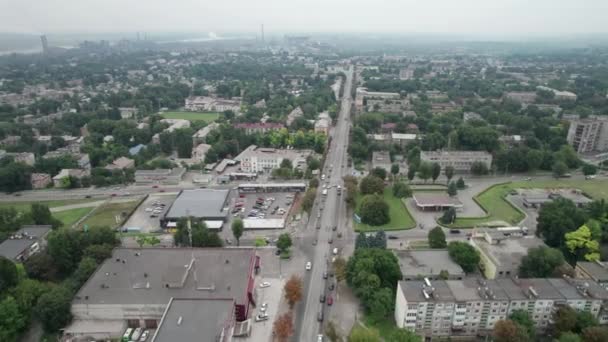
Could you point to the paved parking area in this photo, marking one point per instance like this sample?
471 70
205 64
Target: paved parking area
271 296
145 217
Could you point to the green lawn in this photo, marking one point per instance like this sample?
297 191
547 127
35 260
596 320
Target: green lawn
25 206
106 214
399 215
69 217
385 327
492 200
192 116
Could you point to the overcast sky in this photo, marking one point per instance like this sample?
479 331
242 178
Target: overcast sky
483 17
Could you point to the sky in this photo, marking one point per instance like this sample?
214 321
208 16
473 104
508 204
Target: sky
456 17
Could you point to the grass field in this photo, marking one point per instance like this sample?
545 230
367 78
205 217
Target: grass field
192 116
492 200
106 214
69 217
400 218
25 206
385 327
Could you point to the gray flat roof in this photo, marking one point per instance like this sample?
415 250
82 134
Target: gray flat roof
595 270
201 203
199 320
435 199
509 252
426 262
155 275
21 240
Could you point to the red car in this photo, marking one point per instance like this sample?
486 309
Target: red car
161 190
113 195
330 300
242 195
154 186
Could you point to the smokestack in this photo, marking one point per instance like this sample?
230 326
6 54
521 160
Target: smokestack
45 44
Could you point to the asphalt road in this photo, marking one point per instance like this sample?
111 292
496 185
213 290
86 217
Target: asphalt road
333 213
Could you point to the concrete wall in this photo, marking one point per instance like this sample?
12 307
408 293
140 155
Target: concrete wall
400 307
118 311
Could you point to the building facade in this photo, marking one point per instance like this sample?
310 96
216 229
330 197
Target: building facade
259 159
589 135
461 161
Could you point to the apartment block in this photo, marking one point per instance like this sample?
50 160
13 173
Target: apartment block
589 134
471 307
460 160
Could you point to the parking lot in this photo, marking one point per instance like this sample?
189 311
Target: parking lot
147 215
274 205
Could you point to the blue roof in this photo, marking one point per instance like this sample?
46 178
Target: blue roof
136 149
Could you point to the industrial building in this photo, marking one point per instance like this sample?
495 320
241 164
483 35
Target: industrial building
471 307
200 204
25 242
149 288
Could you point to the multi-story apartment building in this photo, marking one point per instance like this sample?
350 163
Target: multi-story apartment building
460 160
471 307
589 135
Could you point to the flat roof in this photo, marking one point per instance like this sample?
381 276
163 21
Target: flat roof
510 250
200 203
194 320
426 262
272 185
598 271
155 275
21 240
435 199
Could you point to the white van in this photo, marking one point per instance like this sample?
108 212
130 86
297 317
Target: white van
335 251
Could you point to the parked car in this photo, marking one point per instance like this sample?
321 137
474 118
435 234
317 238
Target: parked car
264 284
308 266
320 316
454 231
332 286
322 298
144 336
261 317
393 237
330 300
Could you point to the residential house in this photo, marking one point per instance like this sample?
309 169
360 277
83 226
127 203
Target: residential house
40 180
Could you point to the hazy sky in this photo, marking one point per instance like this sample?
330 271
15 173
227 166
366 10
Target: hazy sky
484 17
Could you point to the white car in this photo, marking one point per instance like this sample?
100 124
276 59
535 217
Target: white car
261 317
144 336
319 338
148 210
263 307
308 266
264 284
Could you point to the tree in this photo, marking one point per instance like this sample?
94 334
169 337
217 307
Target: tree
394 169
559 169
143 240
460 184
569 337
589 169
374 210
425 171
41 266
584 320
449 216
449 172
41 215
413 157
411 173
464 255
371 185
202 237
582 245
313 183
331 332
183 142
452 189
283 327
523 319
379 172
293 290
540 262
564 319
53 308
557 218
435 171
309 199
401 190
86 267
403 335
595 334
506 330
12 320
284 242
436 238
382 303
8 274
64 246
479 168
362 334
27 292
237 229
340 268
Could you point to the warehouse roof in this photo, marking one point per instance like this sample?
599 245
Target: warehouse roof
201 203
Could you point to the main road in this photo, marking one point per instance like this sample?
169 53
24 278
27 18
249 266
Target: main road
328 212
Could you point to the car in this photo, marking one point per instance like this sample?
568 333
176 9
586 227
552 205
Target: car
264 284
330 300
330 241
263 307
335 228
392 237
148 210
528 179
154 186
113 195
261 317
228 241
153 215
332 286
277 252
339 234
144 336
308 266
454 231
322 298
319 338
161 190
87 196
242 196
325 275
314 242
320 316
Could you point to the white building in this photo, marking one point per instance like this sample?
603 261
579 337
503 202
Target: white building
589 134
259 159
211 104
461 161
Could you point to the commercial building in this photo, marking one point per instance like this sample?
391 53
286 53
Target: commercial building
142 287
24 243
200 204
589 135
536 199
159 176
382 160
363 93
258 127
461 161
594 270
262 159
502 249
471 307
432 264
435 201
40 180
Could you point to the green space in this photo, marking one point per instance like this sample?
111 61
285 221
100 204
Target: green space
400 218
69 217
25 205
419 244
493 201
106 214
386 327
192 116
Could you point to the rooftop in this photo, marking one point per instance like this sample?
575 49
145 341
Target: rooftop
155 275
194 320
435 199
508 251
199 203
596 270
427 263
21 240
